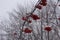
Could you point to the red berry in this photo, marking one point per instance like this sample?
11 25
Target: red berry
58 18
15 33
29 21
44 4
38 6
24 18
48 28
27 30
43 1
35 17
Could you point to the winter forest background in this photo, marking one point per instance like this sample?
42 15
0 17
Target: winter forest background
12 11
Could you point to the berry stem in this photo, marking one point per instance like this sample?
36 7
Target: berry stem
48 35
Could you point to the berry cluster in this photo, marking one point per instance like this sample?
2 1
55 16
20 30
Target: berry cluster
48 29
43 3
27 30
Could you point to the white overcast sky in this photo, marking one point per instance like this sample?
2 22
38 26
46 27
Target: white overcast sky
9 5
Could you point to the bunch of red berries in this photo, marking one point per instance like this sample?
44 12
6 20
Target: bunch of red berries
43 3
27 30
